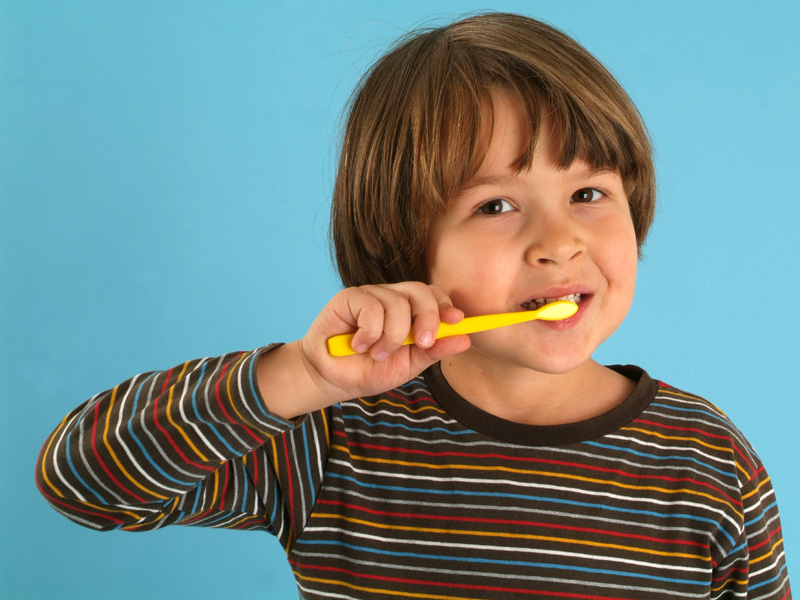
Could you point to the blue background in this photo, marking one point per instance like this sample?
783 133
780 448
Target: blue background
165 174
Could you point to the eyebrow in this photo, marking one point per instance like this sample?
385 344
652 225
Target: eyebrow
505 179
489 180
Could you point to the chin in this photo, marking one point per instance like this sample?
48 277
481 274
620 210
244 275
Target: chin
558 362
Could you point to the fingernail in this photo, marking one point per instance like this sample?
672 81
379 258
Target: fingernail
426 339
361 348
380 356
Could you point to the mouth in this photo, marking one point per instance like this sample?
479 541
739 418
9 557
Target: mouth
535 303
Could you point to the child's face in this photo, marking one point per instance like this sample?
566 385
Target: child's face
544 232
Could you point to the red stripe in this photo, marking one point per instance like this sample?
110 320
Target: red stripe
766 541
171 441
513 522
255 474
100 460
218 397
291 485
202 515
224 490
559 463
73 509
692 429
729 573
490 588
407 400
744 458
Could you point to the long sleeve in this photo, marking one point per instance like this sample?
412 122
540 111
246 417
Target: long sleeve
192 445
755 568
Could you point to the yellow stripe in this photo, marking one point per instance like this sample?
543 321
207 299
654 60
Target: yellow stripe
515 536
186 438
215 493
275 461
114 455
769 554
674 392
728 582
757 490
229 390
324 414
680 439
377 590
541 473
403 406
287 547
46 452
105 509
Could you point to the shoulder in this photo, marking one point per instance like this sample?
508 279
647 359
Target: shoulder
695 420
408 411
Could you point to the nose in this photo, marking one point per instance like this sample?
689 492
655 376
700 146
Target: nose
554 240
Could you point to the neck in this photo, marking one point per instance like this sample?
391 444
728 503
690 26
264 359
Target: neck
530 397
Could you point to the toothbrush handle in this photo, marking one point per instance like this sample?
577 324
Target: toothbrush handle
341 345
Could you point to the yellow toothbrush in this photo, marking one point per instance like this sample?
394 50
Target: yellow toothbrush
340 345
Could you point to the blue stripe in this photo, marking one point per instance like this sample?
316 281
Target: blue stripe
246 480
495 561
761 515
308 466
210 425
197 489
403 426
663 458
139 443
485 494
709 413
283 424
768 581
76 473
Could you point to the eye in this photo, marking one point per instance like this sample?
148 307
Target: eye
495 207
587 195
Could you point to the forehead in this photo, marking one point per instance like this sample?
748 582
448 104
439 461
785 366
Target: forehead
509 135
514 128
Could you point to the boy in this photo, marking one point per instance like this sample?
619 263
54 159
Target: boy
488 166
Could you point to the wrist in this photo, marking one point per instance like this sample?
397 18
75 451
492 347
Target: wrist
286 384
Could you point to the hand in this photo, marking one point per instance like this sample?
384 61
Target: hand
381 317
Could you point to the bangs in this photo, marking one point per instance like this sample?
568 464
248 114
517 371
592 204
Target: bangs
590 131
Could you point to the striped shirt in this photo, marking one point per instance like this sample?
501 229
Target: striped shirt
416 493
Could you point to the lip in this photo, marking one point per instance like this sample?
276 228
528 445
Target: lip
572 321
557 292
560 292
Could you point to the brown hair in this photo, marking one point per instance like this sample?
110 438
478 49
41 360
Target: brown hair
413 133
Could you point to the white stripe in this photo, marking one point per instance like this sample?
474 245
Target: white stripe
515 510
388 542
541 486
185 400
486 575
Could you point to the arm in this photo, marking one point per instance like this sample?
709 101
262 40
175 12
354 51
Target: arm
161 447
195 444
756 566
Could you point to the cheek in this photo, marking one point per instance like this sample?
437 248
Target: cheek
465 268
622 265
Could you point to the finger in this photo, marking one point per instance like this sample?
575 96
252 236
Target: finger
447 312
395 321
441 349
368 314
425 314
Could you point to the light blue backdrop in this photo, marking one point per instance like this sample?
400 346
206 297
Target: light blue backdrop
165 174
